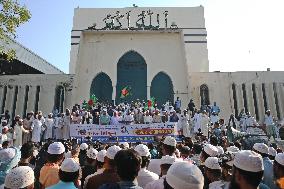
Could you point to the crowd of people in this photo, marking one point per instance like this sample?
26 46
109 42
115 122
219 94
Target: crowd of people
38 152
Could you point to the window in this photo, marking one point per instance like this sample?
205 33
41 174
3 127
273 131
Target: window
37 98
15 101
26 100
204 95
264 96
255 101
245 97
276 100
235 100
4 99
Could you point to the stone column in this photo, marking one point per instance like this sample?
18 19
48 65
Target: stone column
240 98
31 99
10 99
113 94
250 100
148 92
46 99
1 97
20 101
280 102
259 101
68 98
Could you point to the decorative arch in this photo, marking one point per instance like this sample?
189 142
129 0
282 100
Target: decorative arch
204 95
162 88
102 87
131 74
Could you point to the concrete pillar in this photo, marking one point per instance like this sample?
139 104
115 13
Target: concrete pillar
1 97
10 99
46 99
20 101
260 101
148 92
68 99
240 98
113 94
270 96
250 101
280 102
31 99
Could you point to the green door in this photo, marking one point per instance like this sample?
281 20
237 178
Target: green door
102 88
132 76
162 89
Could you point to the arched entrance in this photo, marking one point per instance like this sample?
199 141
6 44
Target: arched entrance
59 99
204 95
162 89
102 88
132 76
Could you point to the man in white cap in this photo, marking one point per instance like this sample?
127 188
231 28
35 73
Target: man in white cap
166 163
37 128
248 171
20 177
83 153
124 145
18 133
184 175
168 148
213 172
49 172
145 176
68 175
262 149
278 168
100 166
109 175
271 153
90 164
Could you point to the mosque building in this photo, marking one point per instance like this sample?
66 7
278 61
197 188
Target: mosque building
158 52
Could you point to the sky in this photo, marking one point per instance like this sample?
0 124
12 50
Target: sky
242 35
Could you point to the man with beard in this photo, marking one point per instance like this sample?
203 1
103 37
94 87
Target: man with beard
247 171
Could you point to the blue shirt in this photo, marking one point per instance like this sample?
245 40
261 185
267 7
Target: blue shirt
268 176
61 185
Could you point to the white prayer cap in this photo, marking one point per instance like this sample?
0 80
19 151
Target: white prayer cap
56 148
111 151
233 149
124 144
101 156
248 160
69 165
83 146
167 159
212 163
142 150
272 151
68 154
19 177
280 158
261 148
184 175
92 153
220 150
210 150
7 154
171 141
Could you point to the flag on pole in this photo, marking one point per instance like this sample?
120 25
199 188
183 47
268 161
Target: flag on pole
125 92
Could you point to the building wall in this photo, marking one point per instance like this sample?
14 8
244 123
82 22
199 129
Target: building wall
15 101
100 51
220 91
189 19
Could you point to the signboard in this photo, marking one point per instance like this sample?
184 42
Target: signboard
132 133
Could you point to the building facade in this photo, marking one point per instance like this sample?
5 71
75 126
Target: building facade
151 52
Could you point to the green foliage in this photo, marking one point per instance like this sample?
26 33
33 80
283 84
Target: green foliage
12 15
